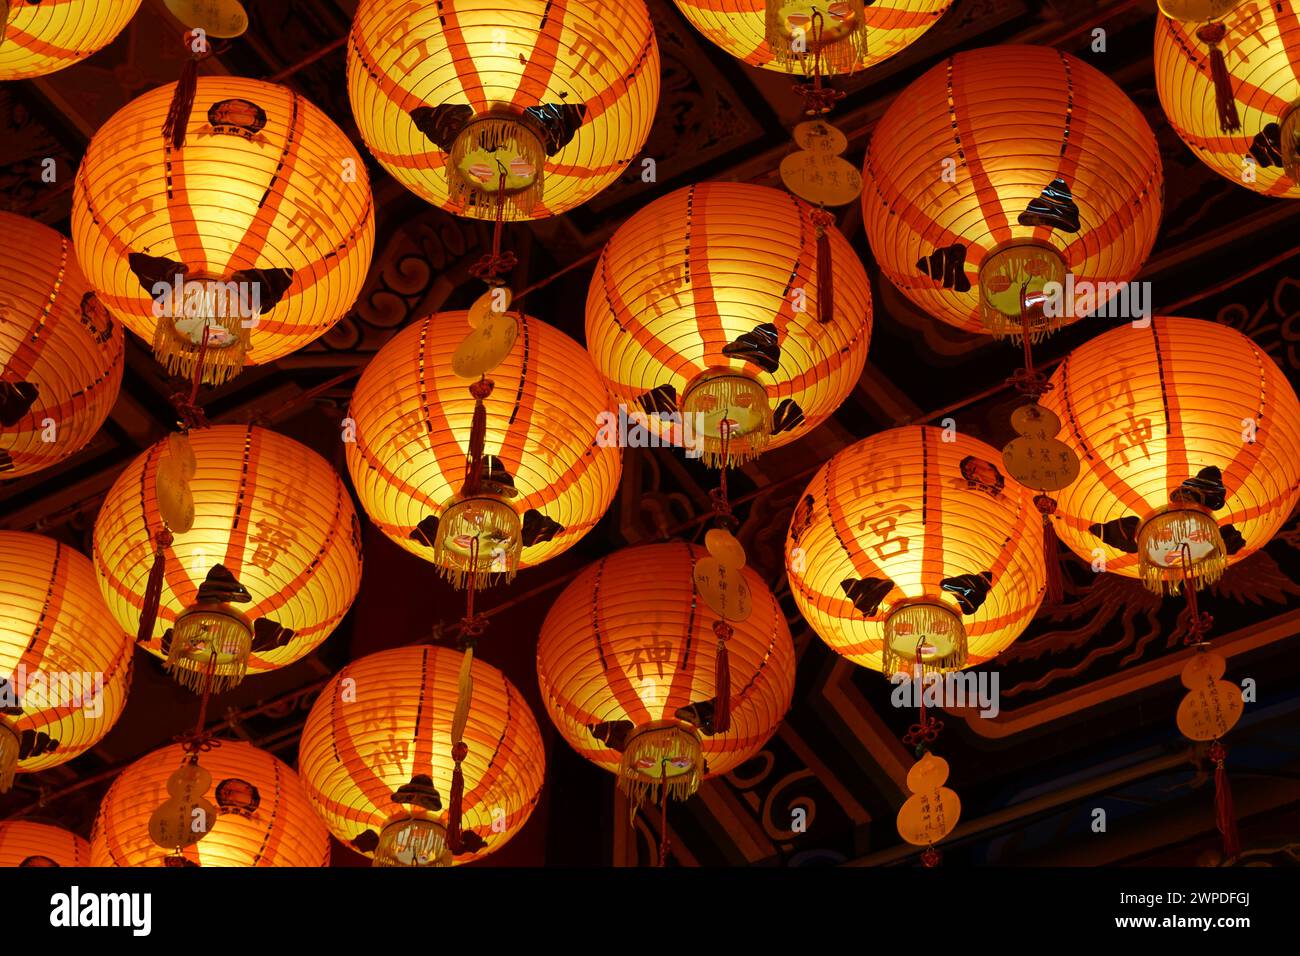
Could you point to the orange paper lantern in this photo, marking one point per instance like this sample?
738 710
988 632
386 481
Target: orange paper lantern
270 511
65 666
1000 171
780 34
542 104
1188 433
546 479
708 305
911 551
60 351
1248 128
259 229
262 816
376 757
628 671
27 843
41 38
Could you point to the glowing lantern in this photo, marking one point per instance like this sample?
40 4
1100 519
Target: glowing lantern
628 675
540 105
256 232
27 843
60 351
782 34
714 304
273 531
253 811
37 39
910 551
64 665
1230 87
376 756
1000 171
545 479
1188 434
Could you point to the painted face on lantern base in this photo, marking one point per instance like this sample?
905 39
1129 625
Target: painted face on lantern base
838 21
730 403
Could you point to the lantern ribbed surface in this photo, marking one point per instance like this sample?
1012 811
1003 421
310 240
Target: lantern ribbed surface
41 38
740 28
61 354
1002 168
271 511
905 520
264 817
413 418
1261 49
630 643
1164 415
267 196
62 656
381 731
564 88
723 276
26 843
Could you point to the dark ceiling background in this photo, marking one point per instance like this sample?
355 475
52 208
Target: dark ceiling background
1088 693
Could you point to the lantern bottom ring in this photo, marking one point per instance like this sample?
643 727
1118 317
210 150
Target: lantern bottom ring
413 841
661 753
1015 285
1161 540
479 538
923 636
9 747
210 645
723 399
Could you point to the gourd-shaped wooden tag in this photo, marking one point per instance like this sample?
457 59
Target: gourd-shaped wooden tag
186 818
1212 706
816 171
933 810
1037 459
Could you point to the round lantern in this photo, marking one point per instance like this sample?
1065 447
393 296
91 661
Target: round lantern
376 757
529 105
61 353
269 567
784 35
27 843
65 666
1189 435
911 552
711 311
254 810
628 672
546 479
1231 89
37 38
242 245
1012 184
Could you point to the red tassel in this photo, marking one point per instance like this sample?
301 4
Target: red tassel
178 114
931 857
153 587
1055 591
454 838
477 436
722 680
825 268
1224 99
1224 812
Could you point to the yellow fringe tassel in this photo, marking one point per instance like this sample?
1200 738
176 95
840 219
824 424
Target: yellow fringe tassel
1172 527
489 135
640 770
412 842
906 626
488 520
179 355
838 56
194 637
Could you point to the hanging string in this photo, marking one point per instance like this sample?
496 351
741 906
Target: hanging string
199 740
187 407
722 516
1027 380
818 99
926 730
1198 627
496 263
472 628
663 812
